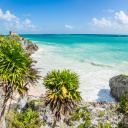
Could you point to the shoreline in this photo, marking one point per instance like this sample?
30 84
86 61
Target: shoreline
99 111
86 78
93 77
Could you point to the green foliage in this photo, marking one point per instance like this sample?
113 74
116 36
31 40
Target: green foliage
14 65
88 105
12 38
2 37
62 92
123 76
40 101
107 125
123 105
16 70
121 125
62 84
101 113
87 123
82 125
27 119
112 106
78 114
114 114
31 103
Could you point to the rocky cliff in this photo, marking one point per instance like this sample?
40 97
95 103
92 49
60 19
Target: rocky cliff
28 46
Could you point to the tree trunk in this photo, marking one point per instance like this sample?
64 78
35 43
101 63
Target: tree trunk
3 111
54 124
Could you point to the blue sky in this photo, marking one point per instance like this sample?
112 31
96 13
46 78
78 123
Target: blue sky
64 16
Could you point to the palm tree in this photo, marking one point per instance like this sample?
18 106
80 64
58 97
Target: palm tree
16 72
62 94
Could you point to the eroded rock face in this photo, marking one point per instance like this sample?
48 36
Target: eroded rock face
118 86
28 46
1 98
1 103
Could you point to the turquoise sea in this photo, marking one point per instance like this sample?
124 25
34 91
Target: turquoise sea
96 58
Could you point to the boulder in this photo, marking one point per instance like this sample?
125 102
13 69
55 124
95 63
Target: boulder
23 103
118 86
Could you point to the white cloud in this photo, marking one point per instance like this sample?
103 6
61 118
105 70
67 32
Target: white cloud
118 24
101 23
27 24
12 22
7 16
69 27
122 18
109 10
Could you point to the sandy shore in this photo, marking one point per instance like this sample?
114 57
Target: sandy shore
36 90
33 90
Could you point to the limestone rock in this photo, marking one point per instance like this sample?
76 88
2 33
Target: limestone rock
118 85
28 46
23 103
94 108
1 103
1 98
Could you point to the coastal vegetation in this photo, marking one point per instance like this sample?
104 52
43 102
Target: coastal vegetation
25 119
62 94
123 106
62 97
80 113
16 71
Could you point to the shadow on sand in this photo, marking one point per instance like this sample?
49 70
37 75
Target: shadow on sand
104 95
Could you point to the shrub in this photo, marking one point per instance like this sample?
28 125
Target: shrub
62 92
16 71
40 101
112 106
78 114
27 119
123 105
106 125
101 113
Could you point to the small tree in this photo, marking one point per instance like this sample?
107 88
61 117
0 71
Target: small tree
62 94
15 72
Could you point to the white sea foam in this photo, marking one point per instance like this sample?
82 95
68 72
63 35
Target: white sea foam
93 78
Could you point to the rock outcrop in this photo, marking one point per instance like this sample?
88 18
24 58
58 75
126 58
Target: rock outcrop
28 46
99 112
118 85
1 103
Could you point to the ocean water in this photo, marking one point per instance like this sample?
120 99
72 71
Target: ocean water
95 58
